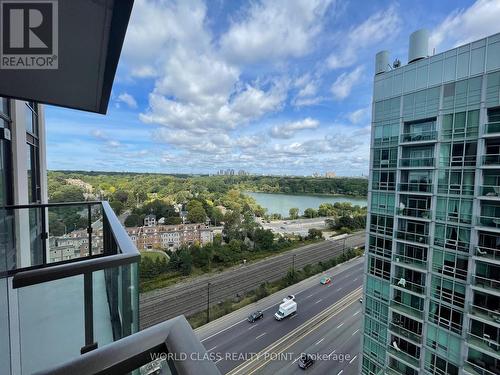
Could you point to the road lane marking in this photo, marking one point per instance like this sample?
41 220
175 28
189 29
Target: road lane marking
223 330
356 313
355 279
258 337
318 301
320 341
332 352
339 289
356 331
293 316
209 350
310 295
340 372
353 358
249 328
340 325
220 359
336 308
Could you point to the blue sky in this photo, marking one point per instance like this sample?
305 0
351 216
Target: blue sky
273 87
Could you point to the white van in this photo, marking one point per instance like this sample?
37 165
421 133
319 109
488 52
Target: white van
286 309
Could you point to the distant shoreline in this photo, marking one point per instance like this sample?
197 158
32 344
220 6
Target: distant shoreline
310 194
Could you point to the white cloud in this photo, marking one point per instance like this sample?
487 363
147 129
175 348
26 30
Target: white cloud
481 19
378 27
344 83
359 115
288 130
127 99
274 30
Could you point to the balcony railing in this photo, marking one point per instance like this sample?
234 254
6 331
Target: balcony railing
485 313
491 159
479 369
406 309
485 342
402 355
487 253
430 135
418 213
492 127
385 186
402 283
460 133
401 331
418 187
490 191
458 161
418 238
454 217
452 244
92 294
418 263
427 162
486 282
172 339
456 189
489 221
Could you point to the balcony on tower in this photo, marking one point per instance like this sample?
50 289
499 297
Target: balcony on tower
420 131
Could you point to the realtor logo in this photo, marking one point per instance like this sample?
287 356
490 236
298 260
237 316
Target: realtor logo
29 34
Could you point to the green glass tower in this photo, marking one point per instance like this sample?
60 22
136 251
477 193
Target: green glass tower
432 275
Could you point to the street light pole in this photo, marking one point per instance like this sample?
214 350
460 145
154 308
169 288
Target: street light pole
343 249
208 302
293 262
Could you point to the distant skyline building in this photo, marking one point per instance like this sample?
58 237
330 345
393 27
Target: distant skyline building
432 276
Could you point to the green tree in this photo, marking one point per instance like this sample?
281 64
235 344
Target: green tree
310 213
133 220
197 215
294 213
117 207
314 233
263 238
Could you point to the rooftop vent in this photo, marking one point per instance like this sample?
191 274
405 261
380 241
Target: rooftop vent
419 45
382 62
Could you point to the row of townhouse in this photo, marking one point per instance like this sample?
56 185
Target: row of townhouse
170 236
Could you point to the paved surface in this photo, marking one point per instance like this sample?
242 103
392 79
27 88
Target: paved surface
191 297
336 346
235 342
297 226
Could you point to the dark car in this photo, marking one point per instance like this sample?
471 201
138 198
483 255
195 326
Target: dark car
305 361
255 316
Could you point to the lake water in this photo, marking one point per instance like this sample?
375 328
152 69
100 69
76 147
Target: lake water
281 203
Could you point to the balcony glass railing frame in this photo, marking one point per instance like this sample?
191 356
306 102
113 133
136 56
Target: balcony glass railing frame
492 127
424 136
119 261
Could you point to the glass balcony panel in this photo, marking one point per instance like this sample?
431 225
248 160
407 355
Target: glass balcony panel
419 213
51 321
482 364
485 313
485 342
417 187
413 237
476 369
417 162
487 253
493 127
418 263
491 159
429 135
407 309
490 191
486 283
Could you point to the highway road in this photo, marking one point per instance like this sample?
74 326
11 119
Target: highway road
190 297
232 344
336 346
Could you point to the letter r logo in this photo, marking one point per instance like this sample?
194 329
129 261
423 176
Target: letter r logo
27 27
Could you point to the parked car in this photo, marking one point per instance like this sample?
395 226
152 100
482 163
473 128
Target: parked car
290 297
255 316
325 280
305 361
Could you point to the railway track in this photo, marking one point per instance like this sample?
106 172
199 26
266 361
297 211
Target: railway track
191 297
